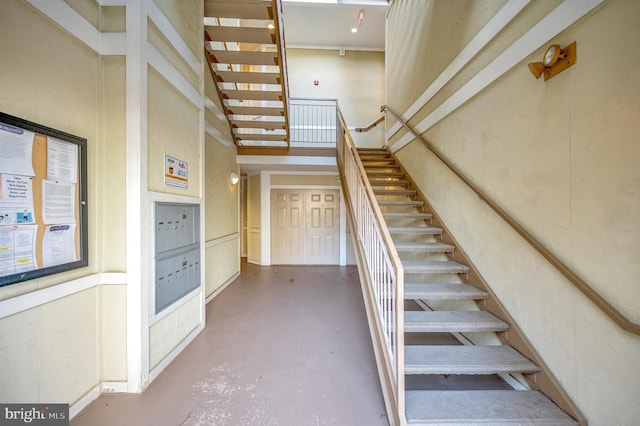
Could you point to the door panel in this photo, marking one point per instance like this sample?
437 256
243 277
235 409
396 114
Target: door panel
287 230
323 227
305 227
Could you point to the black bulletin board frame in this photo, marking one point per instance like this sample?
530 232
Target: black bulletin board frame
81 207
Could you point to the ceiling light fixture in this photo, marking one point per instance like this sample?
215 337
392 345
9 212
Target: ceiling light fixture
360 17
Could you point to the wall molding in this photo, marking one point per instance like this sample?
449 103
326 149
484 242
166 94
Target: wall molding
41 297
84 401
176 40
558 20
222 287
173 76
496 24
159 368
64 15
218 135
216 241
213 108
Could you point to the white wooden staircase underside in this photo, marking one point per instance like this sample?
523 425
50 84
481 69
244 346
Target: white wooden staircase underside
244 46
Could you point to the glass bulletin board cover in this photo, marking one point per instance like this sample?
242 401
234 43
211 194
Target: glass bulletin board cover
43 207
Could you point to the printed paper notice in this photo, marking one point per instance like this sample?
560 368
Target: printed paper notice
17 249
176 172
16 147
62 159
58 202
16 200
58 244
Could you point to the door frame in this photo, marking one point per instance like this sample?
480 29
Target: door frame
265 210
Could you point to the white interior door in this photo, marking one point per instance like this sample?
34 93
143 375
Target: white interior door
305 227
323 227
287 227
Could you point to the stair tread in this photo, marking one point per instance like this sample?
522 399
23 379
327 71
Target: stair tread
433 267
400 203
373 150
431 247
373 181
395 191
416 215
379 173
366 160
482 408
414 230
452 321
368 165
442 291
461 359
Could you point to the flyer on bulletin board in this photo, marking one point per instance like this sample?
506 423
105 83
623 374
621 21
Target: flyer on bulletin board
16 199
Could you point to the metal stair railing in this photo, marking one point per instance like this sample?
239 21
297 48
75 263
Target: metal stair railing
383 266
578 282
312 122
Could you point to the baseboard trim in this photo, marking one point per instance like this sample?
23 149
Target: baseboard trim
222 287
159 368
84 401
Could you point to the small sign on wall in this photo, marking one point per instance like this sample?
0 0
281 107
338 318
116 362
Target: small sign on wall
176 172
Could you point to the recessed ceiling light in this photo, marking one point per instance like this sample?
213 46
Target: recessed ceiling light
354 30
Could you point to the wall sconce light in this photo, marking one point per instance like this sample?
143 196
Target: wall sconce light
555 61
234 178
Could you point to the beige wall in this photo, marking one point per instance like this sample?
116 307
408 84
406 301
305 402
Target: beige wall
71 335
560 156
50 352
222 202
355 79
174 129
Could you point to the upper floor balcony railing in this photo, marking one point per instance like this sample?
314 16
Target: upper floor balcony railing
312 122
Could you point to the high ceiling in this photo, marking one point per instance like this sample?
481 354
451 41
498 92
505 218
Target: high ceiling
327 24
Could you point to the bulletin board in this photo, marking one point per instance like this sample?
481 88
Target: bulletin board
43 201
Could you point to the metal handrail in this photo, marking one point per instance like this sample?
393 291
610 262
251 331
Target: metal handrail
371 125
578 282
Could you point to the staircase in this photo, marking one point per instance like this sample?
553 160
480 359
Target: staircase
244 46
450 380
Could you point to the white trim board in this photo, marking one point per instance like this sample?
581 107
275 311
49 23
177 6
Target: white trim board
173 76
159 368
500 20
222 287
218 241
563 16
218 135
178 43
74 23
213 108
41 297
294 160
137 232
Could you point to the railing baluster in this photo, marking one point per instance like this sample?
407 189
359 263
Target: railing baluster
313 121
382 262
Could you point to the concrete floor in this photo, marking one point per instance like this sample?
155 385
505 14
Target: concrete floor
283 345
